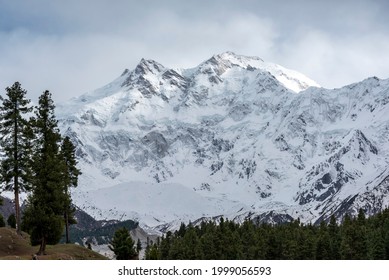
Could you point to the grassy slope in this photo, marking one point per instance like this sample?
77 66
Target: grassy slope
14 247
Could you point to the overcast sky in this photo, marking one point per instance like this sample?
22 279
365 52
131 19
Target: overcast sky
73 46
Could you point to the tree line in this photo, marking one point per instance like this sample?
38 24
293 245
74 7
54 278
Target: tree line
356 238
36 159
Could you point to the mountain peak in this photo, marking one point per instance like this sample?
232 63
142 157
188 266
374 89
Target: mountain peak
148 66
237 59
229 59
290 79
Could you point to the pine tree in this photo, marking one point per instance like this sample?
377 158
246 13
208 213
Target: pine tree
291 236
46 205
70 179
147 249
360 239
209 241
354 243
274 244
335 238
138 246
348 233
2 222
11 221
249 241
306 242
191 248
165 245
385 229
377 246
123 245
323 245
14 168
153 253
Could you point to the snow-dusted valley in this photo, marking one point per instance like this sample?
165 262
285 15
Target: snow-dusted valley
234 136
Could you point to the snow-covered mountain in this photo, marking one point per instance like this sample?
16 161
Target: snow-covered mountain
234 136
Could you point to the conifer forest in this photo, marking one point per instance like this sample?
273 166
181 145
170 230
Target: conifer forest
358 238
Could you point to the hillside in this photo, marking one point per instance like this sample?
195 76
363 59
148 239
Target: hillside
97 233
14 247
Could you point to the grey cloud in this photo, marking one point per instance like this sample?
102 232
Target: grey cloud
73 46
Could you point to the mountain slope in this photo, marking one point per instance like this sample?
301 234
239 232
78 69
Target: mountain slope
234 136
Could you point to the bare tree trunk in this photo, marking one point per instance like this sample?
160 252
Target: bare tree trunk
17 211
16 179
67 226
42 248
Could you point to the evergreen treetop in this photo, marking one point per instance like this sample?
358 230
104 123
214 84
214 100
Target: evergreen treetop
123 245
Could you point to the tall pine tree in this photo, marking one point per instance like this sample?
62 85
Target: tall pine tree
46 205
70 179
123 245
14 168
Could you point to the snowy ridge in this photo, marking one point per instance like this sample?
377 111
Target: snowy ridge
234 136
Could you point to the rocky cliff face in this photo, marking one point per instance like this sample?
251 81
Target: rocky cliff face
234 136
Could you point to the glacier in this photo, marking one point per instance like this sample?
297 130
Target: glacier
235 137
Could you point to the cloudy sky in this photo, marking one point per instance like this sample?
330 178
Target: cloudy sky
74 46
